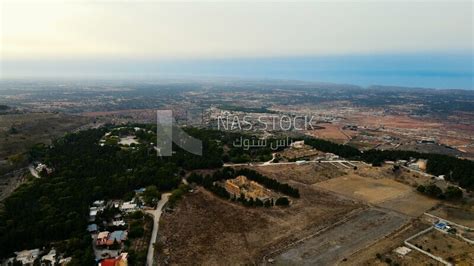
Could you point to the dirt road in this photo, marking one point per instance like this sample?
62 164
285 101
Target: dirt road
156 213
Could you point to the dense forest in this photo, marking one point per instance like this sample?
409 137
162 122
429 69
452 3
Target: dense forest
54 208
269 182
214 142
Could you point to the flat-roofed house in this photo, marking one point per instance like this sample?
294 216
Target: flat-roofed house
27 257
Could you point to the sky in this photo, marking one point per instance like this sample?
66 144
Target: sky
393 42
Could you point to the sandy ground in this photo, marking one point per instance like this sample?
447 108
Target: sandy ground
366 189
384 192
332 132
412 204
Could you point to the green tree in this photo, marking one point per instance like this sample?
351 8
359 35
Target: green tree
453 192
151 195
282 201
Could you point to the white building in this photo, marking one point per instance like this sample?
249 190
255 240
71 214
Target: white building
40 167
27 257
118 223
402 251
297 144
128 207
98 203
92 213
50 258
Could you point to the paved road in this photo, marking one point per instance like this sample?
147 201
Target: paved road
287 163
156 213
270 161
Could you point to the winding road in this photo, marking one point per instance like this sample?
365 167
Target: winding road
156 213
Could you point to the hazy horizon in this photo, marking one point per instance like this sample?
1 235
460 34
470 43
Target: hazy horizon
424 71
363 43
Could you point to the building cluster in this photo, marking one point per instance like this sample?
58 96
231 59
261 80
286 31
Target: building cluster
108 242
124 207
241 185
121 260
418 164
297 144
106 238
108 228
50 257
43 167
37 257
413 163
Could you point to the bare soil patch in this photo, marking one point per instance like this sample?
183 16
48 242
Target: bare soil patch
366 189
208 230
413 204
332 132
384 192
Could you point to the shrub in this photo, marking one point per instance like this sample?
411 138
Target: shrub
282 201
453 192
421 189
136 231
